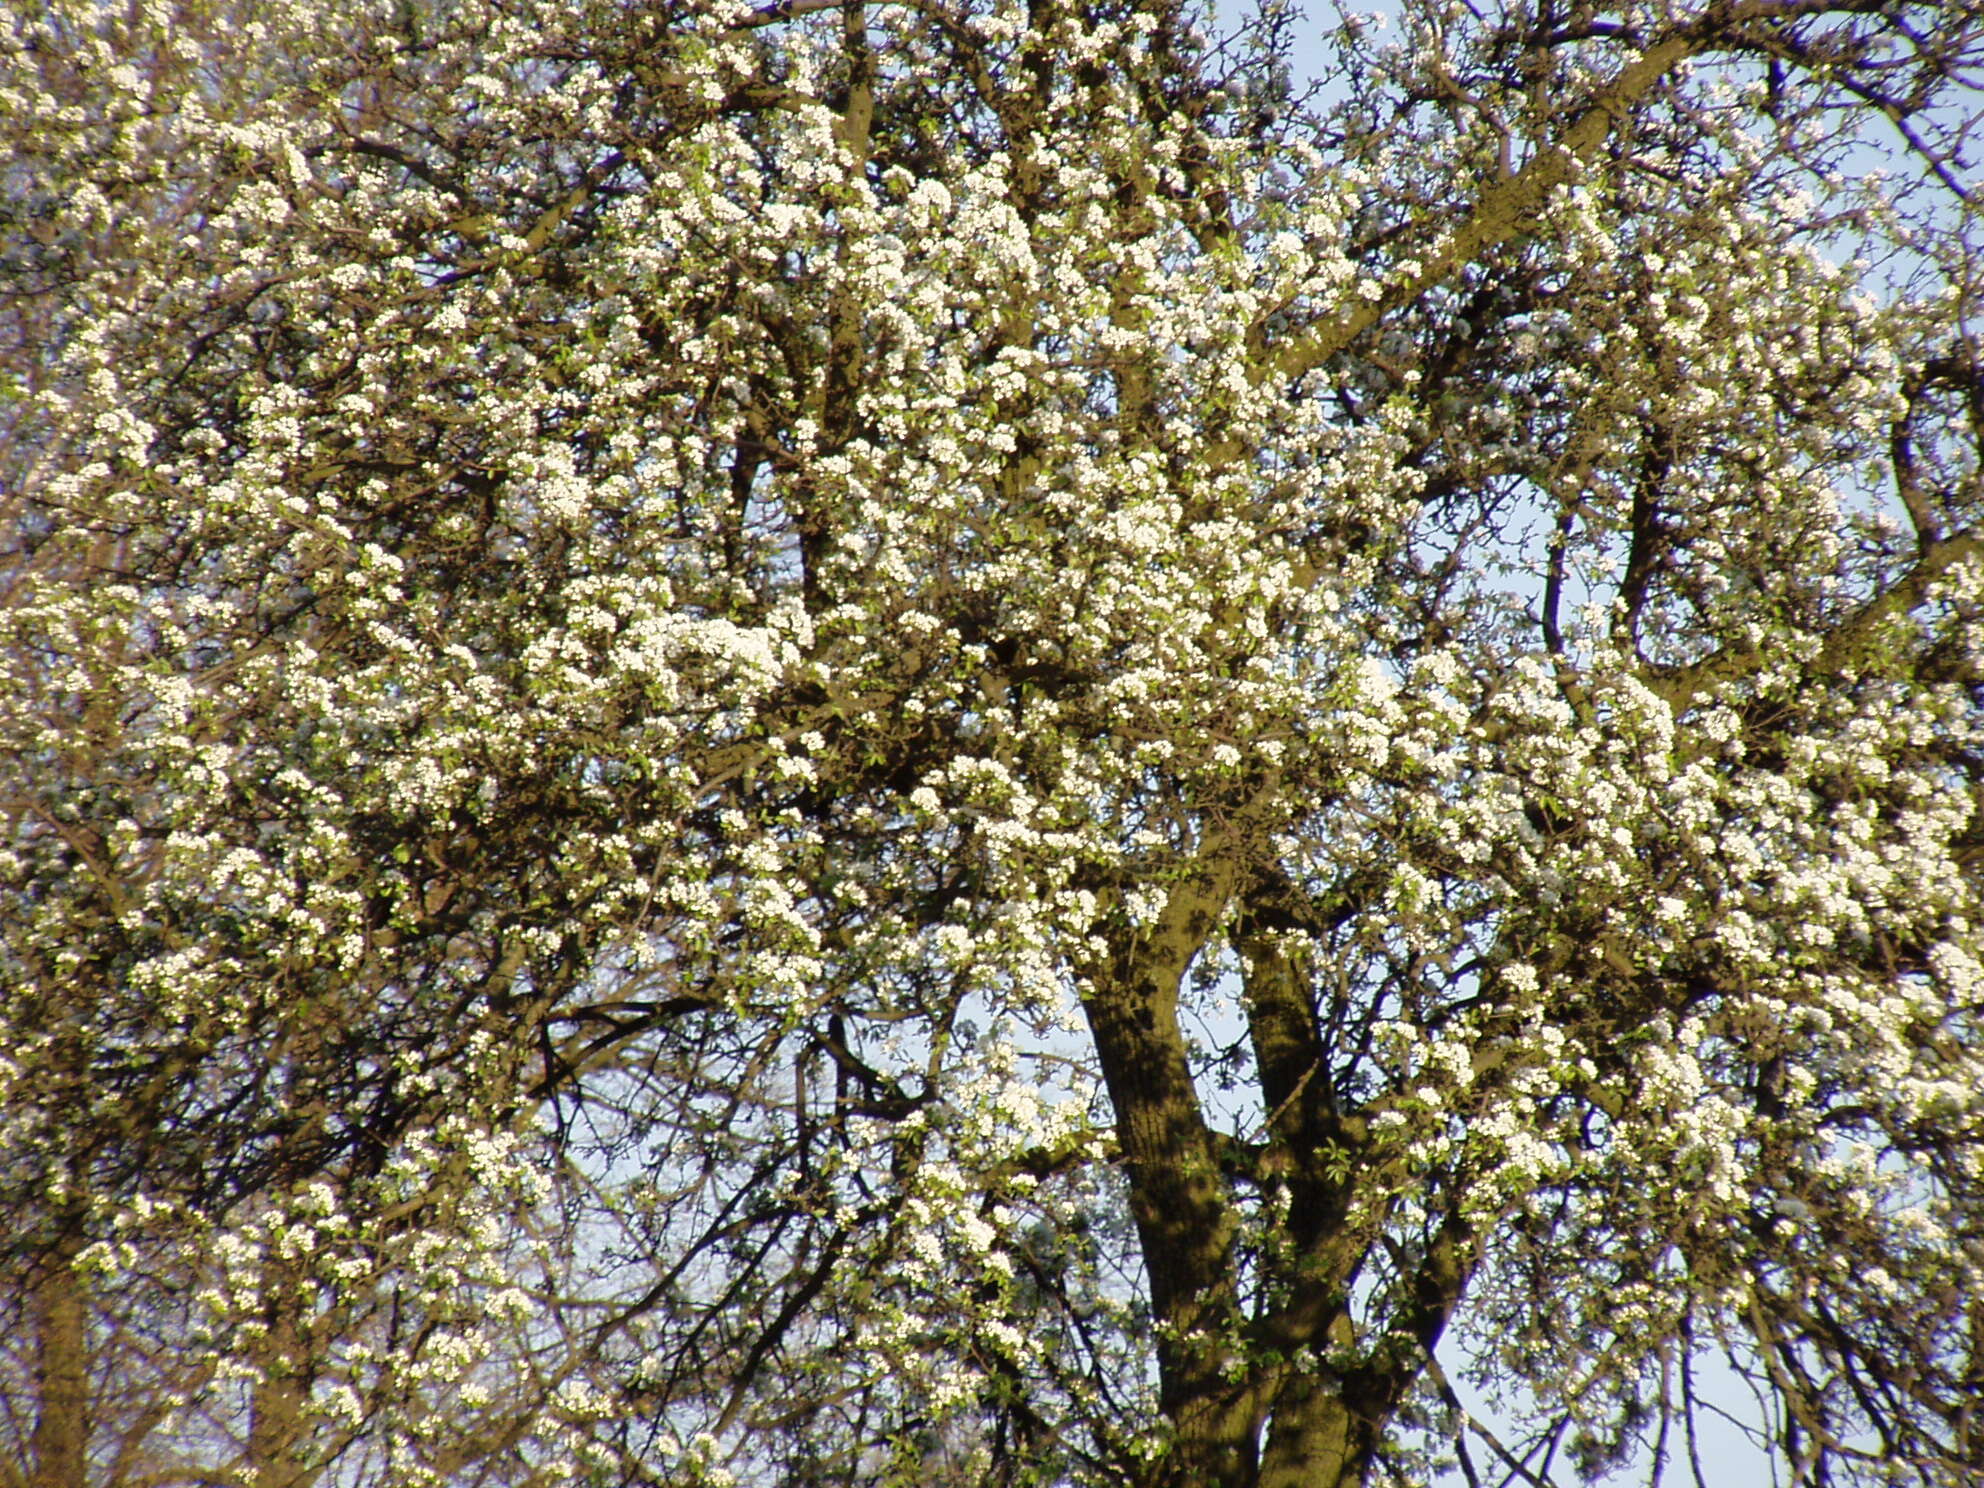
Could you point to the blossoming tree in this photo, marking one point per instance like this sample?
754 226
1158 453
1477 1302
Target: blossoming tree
947 742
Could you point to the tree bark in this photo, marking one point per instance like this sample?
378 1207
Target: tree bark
1316 1440
275 1422
1184 1217
62 1406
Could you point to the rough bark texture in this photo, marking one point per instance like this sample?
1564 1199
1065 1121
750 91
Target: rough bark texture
1316 1436
1183 1214
1316 1441
61 1426
276 1427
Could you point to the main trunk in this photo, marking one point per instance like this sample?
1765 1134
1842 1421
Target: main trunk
1316 1440
61 1424
276 1424
1185 1220
1219 1393
1247 1399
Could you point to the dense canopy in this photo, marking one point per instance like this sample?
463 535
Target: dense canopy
960 741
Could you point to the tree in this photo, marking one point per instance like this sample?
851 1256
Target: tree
947 743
